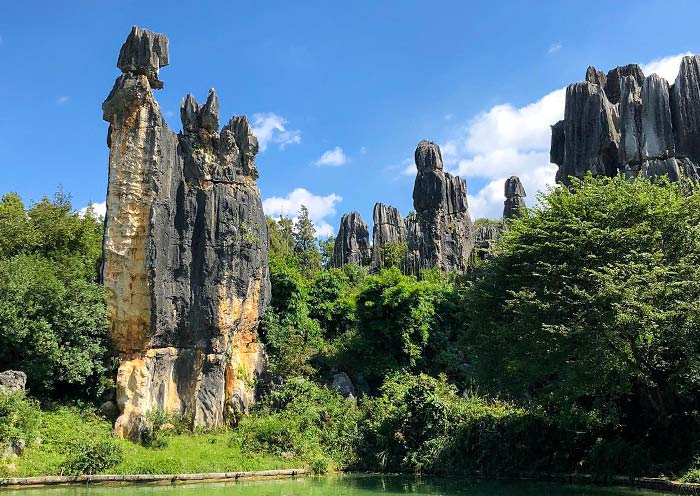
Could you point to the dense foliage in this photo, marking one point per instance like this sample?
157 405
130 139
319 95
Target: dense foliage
575 346
52 313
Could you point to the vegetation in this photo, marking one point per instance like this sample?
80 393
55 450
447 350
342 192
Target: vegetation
574 347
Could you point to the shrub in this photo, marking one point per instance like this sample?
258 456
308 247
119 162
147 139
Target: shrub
90 456
20 418
304 420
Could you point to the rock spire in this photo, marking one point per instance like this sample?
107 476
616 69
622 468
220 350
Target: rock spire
185 250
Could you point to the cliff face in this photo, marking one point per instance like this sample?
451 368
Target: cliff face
352 242
185 250
625 122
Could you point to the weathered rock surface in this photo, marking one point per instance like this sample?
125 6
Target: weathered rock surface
343 384
13 380
352 242
514 206
389 227
441 234
485 239
185 250
625 122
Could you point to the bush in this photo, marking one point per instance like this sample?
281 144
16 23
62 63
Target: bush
420 424
88 457
303 420
20 418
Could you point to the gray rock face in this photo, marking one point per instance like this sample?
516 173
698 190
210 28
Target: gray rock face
389 227
614 80
624 122
590 133
144 53
485 239
441 234
352 242
343 384
514 206
13 380
185 250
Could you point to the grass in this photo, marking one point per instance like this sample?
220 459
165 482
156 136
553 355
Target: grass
62 427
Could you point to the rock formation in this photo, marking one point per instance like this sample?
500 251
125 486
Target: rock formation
185 250
624 122
441 234
13 380
514 206
389 228
352 242
485 238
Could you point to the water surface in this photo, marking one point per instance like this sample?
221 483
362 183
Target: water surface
343 485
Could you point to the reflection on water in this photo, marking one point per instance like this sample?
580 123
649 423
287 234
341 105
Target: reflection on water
343 485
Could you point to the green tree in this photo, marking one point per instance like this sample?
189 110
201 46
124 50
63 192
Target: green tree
52 312
281 232
327 246
592 307
397 320
394 255
292 337
305 245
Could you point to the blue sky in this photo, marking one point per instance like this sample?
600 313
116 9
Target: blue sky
339 92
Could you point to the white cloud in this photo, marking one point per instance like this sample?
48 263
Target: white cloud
363 150
502 142
666 67
98 210
554 48
448 117
62 99
1 40
333 158
270 128
320 207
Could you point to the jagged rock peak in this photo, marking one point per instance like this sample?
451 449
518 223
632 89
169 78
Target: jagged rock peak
144 52
614 80
428 156
195 117
441 234
514 206
595 76
389 227
625 122
185 249
352 242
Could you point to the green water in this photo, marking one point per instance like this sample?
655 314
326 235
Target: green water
343 485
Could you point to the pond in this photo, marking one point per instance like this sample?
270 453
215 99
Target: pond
343 485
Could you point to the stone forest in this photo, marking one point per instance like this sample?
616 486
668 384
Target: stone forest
187 332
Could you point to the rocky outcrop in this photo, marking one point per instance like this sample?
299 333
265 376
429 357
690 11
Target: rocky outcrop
352 242
514 206
185 250
13 380
389 228
441 234
485 238
342 383
624 122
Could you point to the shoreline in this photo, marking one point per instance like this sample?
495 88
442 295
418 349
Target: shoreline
651 483
56 480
